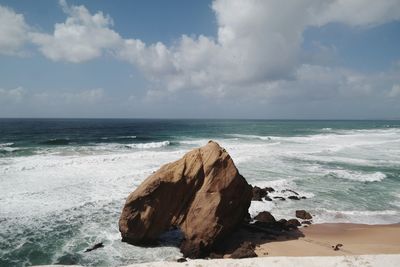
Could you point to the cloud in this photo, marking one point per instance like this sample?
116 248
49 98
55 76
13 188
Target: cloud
12 96
256 53
81 37
13 32
258 42
395 91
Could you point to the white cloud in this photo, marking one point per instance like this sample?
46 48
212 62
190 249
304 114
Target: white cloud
13 31
258 42
257 50
395 91
12 96
81 37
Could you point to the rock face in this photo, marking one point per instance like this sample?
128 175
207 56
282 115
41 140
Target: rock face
302 214
246 250
265 217
203 194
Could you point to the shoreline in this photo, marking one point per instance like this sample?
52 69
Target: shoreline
363 245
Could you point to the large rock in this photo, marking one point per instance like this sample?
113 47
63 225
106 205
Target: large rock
203 194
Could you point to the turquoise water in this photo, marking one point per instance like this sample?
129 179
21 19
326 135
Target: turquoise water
63 182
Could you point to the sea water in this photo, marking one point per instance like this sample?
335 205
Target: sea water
63 182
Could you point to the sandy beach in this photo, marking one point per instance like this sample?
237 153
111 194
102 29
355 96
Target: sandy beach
357 239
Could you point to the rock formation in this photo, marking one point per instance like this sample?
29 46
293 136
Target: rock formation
203 194
302 214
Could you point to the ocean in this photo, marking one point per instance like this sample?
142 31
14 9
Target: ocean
63 182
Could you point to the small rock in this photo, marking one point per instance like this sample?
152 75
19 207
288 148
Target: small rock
267 198
302 214
294 197
337 247
258 193
306 222
280 198
269 189
246 250
181 260
96 246
303 197
292 224
265 217
288 190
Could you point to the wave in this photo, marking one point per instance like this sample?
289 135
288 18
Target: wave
56 141
8 148
357 176
149 145
356 216
120 137
250 136
6 144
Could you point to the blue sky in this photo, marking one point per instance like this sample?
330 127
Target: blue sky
200 59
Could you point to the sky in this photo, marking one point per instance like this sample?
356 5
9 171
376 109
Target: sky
256 59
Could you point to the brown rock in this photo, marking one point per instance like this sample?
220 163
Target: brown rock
265 217
306 222
203 194
258 193
302 214
292 224
246 250
280 198
294 198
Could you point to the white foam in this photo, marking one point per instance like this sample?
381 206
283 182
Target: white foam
357 176
250 136
45 183
356 216
149 145
6 144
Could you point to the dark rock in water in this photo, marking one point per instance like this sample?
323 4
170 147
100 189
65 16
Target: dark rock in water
302 214
265 217
280 198
246 250
303 197
181 260
291 191
306 222
292 224
269 189
294 197
267 198
96 246
203 194
258 193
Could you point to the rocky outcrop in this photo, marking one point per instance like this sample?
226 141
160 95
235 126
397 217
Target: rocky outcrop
302 214
203 194
246 250
265 217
